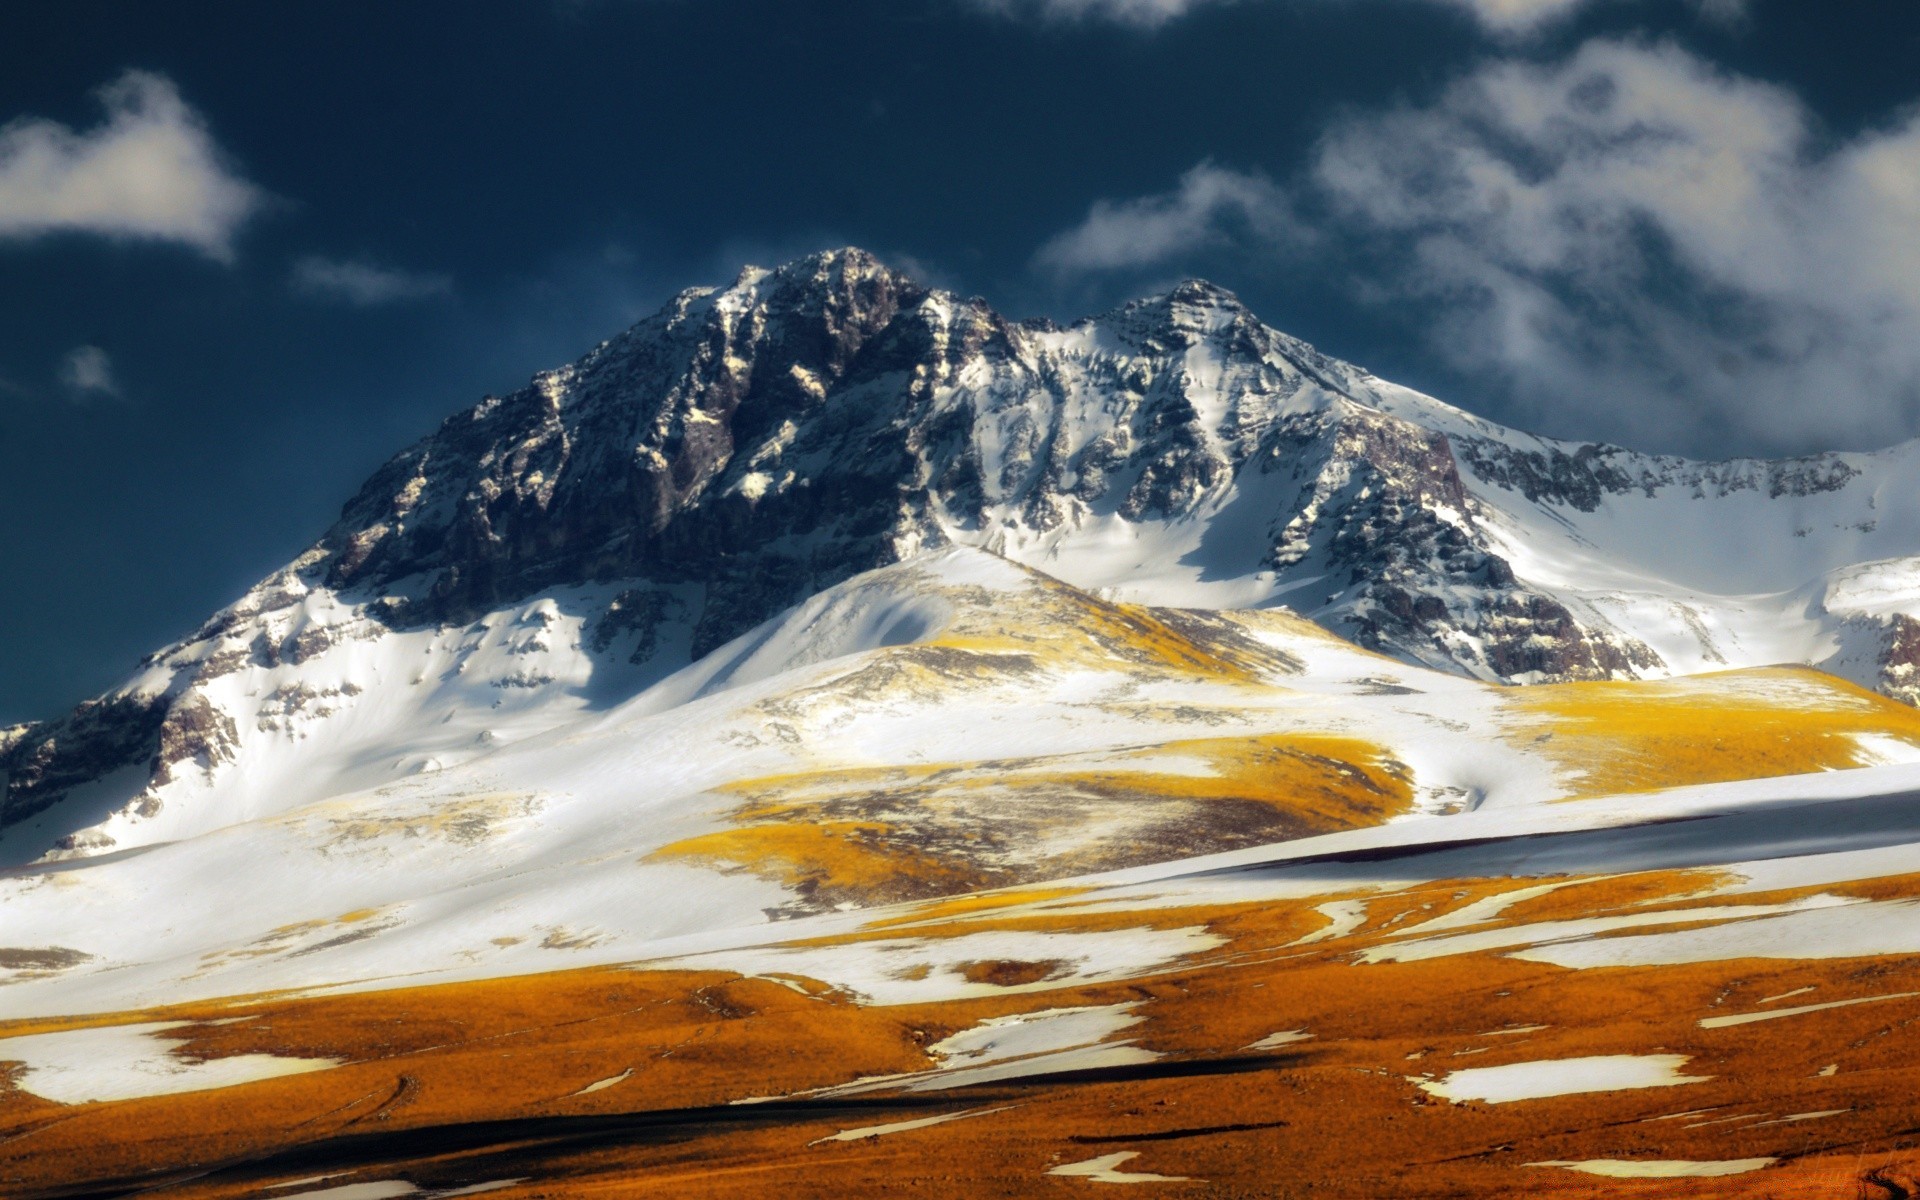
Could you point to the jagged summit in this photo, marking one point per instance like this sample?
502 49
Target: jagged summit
834 409
748 446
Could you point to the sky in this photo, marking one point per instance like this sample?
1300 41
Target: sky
247 251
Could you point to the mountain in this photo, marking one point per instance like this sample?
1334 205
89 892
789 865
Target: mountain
835 740
558 549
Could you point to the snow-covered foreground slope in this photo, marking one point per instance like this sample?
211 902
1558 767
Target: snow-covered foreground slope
555 552
948 724
957 876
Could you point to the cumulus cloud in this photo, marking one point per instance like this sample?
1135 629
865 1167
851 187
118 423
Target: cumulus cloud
1633 228
1210 206
1637 244
150 171
363 283
87 374
1516 16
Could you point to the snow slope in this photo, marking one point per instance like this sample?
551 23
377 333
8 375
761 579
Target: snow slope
947 724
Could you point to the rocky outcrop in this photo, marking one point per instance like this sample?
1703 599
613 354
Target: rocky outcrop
770 439
1900 659
43 762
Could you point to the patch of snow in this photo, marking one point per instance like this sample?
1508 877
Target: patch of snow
603 1084
383 1189
1103 1170
1024 1034
1285 1037
1020 1046
1481 911
1776 1013
1846 931
1343 917
1620 1168
1561 1077
869 1131
1548 937
126 1062
1793 1118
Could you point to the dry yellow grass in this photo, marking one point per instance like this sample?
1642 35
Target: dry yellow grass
1337 1114
867 858
884 835
1609 738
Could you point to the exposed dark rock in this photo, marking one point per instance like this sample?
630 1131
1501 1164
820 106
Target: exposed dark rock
47 958
1900 661
44 761
193 732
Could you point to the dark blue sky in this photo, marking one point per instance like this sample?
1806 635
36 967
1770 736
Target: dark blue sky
429 201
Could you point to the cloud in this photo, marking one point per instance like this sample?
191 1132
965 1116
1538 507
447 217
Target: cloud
1141 14
1633 229
363 283
1516 16
1632 242
1211 205
150 171
1501 17
87 373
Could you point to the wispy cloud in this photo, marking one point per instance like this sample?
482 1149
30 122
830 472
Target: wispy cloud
1634 229
1501 17
87 374
355 281
1211 205
1638 244
1143 14
149 171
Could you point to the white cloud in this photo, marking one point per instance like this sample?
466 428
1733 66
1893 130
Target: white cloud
1517 16
1634 230
363 283
1637 244
87 373
1502 17
150 171
1210 205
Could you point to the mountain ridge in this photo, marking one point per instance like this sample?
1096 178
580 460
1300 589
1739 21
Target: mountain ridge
749 446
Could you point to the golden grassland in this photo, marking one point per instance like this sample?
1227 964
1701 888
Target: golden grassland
1066 626
883 835
1609 738
1338 1114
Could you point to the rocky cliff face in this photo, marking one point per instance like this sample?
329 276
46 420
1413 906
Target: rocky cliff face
748 446
771 439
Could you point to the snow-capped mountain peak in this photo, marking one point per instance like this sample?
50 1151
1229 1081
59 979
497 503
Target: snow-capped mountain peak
746 447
